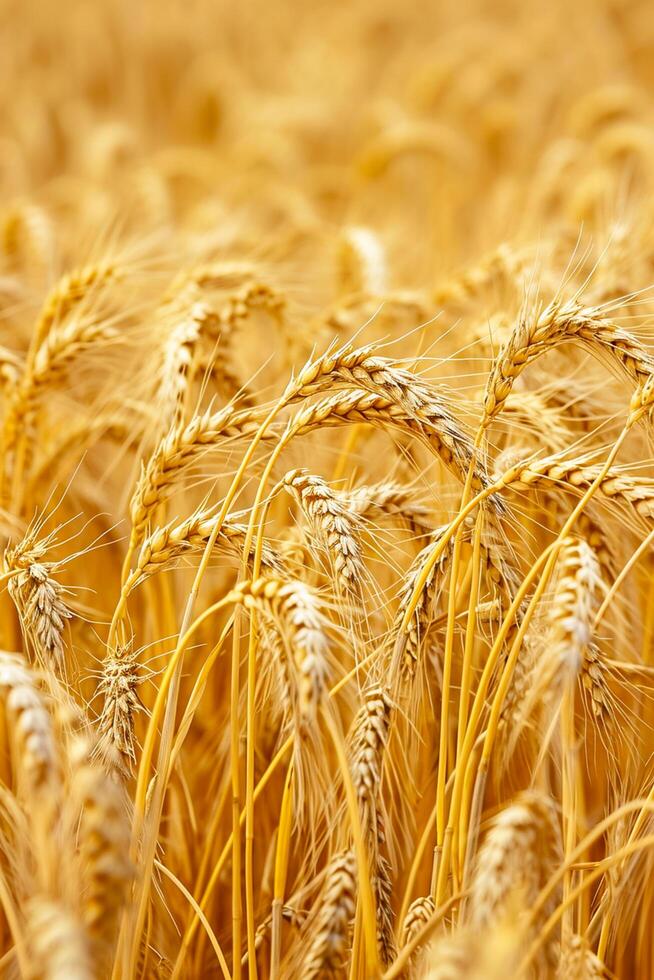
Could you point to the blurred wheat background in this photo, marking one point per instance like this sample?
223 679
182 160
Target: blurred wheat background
327 489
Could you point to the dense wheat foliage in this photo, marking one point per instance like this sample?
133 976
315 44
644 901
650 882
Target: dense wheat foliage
327 490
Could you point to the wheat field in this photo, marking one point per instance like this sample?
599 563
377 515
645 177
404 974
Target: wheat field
327 490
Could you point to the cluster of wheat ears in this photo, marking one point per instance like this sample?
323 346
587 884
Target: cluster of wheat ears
327 490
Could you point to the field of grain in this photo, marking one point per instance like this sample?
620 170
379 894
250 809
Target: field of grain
327 490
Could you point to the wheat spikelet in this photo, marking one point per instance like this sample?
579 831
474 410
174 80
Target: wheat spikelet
62 345
273 648
517 856
32 725
327 953
69 292
178 356
178 449
642 399
103 846
497 560
58 944
382 887
533 413
578 962
219 274
369 737
389 499
27 236
331 520
118 685
502 264
558 323
520 686
38 599
52 359
252 295
423 404
297 611
636 493
408 642
575 603
345 408
591 530
362 262
594 679
564 651
167 544
11 366
418 913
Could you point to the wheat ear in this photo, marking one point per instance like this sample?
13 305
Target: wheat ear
338 526
327 953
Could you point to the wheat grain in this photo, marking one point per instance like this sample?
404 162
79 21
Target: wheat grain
418 913
389 499
636 493
422 404
408 642
369 737
575 603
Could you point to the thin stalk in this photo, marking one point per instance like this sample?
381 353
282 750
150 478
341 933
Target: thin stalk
480 696
271 769
281 870
203 919
466 669
448 657
568 795
371 966
549 556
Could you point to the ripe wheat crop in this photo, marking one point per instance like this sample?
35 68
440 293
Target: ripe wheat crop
327 490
